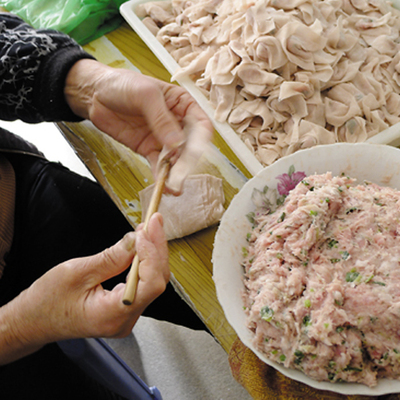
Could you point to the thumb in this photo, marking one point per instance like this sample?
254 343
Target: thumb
198 142
111 261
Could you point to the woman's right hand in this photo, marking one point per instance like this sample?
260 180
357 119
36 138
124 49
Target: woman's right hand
69 301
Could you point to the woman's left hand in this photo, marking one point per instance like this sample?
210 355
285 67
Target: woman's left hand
141 112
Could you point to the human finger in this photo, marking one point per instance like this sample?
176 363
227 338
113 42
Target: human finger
110 262
154 273
199 136
163 122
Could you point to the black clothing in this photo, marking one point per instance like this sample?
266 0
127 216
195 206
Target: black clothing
59 215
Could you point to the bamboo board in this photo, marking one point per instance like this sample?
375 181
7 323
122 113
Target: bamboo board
123 174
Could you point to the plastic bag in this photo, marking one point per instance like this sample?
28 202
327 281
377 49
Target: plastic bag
83 20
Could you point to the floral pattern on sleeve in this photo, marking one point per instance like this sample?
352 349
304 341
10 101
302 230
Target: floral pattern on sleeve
22 50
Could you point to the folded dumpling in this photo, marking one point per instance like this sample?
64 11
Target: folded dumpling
200 205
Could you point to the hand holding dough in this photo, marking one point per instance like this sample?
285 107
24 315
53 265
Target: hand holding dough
185 157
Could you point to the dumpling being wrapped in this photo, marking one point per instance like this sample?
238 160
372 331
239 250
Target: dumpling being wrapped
199 206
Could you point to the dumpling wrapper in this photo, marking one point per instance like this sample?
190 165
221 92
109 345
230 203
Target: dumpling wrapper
199 206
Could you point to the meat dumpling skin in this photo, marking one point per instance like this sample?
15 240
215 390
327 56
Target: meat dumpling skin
199 206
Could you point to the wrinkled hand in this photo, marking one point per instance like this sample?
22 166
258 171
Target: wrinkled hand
69 301
141 112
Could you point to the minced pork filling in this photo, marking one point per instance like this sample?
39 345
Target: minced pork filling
322 280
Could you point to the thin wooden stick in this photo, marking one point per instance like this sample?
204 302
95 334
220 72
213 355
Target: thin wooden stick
133 277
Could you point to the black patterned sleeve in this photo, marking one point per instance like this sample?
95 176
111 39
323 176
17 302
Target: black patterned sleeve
33 67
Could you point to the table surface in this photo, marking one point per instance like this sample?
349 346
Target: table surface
123 174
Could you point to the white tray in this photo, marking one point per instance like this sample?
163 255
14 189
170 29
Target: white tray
231 138
389 136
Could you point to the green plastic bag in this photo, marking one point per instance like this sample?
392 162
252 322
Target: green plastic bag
83 20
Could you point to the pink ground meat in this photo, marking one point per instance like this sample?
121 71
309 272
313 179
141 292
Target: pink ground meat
322 279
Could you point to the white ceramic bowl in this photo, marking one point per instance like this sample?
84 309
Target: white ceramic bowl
376 163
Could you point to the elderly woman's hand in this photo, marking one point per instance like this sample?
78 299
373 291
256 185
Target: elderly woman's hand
69 301
141 112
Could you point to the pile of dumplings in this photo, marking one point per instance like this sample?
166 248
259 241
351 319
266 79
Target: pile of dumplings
287 74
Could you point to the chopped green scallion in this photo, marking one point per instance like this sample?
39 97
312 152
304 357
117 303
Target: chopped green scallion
282 217
352 275
332 243
267 313
345 255
299 357
350 368
307 320
369 279
331 376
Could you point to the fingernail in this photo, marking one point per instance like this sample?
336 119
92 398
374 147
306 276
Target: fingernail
128 241
160 218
